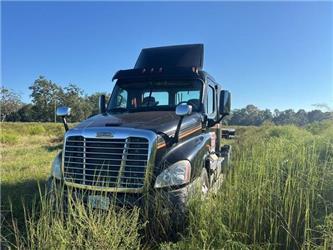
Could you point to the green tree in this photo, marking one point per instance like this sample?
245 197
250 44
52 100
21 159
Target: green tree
45 97
301 117
93 100
10 103
25 114
317 115
250 115
72 97
285 117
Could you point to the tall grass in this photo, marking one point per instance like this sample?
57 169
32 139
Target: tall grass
52 225
277 195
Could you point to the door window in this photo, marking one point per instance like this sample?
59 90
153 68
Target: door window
210 103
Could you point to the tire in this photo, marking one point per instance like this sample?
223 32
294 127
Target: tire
54 194
51 192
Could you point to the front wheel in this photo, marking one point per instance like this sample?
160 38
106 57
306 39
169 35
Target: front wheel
200 186
54 194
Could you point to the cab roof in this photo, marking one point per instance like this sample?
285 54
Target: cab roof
169 62
160 74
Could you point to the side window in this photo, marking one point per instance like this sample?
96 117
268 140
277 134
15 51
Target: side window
158 98
210 103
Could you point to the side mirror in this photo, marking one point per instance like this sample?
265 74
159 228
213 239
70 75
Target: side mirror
225 102
183 110
102 108
63 112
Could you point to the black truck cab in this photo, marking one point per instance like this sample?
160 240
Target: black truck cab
160 132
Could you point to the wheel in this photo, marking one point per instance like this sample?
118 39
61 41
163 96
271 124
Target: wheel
51 192
54 194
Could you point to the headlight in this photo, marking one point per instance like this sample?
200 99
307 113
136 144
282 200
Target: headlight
177 174
56 167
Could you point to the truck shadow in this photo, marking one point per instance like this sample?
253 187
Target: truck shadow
15 198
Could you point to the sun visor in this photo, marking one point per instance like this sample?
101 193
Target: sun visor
190 55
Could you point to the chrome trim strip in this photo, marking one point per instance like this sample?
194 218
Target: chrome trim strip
106 165
103 153
101 159
110 176
122 163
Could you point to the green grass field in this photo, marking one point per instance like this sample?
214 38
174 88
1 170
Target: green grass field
278 195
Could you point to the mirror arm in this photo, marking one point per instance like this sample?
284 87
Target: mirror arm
176 137
102 107
64 121
218 121
221 118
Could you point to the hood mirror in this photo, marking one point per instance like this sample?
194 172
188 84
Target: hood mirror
63 112
183 109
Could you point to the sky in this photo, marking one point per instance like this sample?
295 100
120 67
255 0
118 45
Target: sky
270 54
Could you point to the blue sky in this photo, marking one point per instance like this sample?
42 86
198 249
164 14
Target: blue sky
273 55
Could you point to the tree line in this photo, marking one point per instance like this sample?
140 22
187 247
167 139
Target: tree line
252 115
47 96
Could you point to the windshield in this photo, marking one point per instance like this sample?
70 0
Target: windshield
154 95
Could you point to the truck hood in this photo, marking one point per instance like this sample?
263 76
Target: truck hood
158 121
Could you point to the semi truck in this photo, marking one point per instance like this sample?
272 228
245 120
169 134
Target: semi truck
158 135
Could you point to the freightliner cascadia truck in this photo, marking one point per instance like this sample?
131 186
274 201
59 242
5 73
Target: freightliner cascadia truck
159 135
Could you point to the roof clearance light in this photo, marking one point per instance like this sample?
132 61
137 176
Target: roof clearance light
160 69
144 70
152 70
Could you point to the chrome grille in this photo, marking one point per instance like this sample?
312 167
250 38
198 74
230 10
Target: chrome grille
118 163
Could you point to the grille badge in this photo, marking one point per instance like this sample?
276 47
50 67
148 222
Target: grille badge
104 134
